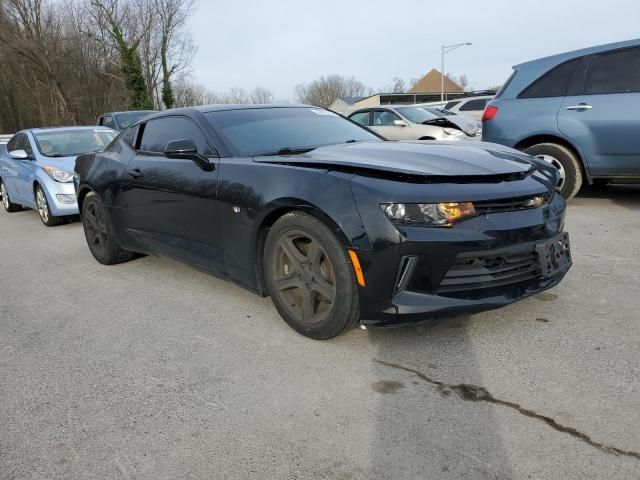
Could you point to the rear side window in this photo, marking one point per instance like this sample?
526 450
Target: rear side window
615 72
361 117
473 105
554 83
450 105
158 132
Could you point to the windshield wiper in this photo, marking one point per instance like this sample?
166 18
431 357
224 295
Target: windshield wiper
288 151
55 155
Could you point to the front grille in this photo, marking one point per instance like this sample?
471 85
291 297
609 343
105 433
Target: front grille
508 205
474 271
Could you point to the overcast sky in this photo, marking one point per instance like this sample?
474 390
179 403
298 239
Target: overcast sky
278 44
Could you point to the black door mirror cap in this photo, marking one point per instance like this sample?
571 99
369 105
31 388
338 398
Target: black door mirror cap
187 149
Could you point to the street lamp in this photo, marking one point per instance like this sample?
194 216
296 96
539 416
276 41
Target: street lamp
447 49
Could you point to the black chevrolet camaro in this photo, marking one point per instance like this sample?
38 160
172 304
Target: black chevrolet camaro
337 225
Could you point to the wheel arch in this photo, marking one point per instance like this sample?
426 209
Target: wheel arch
549 138
271 215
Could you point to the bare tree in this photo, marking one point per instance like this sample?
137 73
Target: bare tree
324 90
399 85
461 80
261 95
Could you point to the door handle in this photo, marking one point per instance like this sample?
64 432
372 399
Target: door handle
580 107
135 173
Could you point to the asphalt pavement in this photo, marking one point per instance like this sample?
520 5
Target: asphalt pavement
151 370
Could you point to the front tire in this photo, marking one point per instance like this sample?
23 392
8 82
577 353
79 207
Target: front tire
565 161
310 278
43 209
99 233
6 202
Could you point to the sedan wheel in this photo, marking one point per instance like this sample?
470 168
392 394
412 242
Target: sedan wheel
309 277
6 202
44 211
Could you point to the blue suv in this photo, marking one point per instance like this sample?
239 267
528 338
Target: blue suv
580 111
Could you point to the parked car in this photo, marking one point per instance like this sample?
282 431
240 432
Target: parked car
36 171
337 225
577 110
469 106
122 120
470 126
408 123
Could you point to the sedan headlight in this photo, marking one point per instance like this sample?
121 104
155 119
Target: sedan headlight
430 214
57 174
451 131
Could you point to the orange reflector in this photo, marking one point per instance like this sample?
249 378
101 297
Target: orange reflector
357 268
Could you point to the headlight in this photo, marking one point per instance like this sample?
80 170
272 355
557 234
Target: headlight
57 174
451 131
434 214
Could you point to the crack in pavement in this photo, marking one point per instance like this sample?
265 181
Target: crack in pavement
474 393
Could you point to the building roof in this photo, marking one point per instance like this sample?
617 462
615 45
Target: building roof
352 100
431 82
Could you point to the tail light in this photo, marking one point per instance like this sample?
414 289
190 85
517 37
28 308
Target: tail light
490 113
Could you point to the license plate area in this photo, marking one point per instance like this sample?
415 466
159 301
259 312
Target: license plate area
554 255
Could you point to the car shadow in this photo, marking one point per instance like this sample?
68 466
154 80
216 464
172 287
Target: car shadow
422 411
627 196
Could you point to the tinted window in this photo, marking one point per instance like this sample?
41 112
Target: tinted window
554 83
361 117
383 118
158 132
617 72
126 119
473 105
11 145
130 137
255 131
450 105
22 143
417 115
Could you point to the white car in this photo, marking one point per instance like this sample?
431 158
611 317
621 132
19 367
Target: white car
408 122
470 106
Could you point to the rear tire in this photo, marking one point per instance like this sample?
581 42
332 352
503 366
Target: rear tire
44 212
310 277
6 202
99 233
563 159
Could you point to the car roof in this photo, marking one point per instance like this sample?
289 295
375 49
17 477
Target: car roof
527 72
54 129
235 106
130 111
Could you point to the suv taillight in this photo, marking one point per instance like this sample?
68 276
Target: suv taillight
490 113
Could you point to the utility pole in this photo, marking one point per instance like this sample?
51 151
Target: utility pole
444 50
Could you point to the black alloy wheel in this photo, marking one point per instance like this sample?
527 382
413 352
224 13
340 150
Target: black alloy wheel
99 234
309 277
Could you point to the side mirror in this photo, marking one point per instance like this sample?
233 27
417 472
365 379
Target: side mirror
181 149
399 123
18 154
186 149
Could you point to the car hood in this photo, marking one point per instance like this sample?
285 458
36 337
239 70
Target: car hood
63 163
424 159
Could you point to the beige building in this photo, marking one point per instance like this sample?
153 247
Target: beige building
425 90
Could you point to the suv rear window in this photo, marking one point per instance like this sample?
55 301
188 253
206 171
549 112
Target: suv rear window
554 83
614 72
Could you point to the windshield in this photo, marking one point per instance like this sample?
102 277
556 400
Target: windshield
69 143
259 131
126 119
416 115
